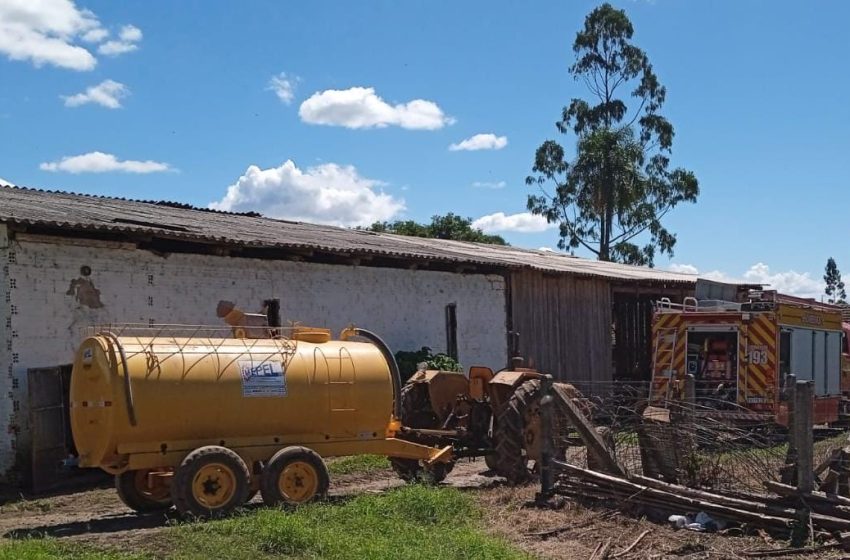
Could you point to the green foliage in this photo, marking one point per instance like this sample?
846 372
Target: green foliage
450 226
50 549
413 522
408 361
619 186
360 464
834 290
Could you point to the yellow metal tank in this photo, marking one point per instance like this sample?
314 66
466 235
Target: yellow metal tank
154 396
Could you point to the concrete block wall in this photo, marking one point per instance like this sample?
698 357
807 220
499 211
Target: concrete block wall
8 384
61 287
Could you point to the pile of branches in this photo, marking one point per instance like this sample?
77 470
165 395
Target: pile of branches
786 514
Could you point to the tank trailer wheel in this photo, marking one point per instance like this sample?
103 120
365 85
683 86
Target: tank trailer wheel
211 482
515 433
136 491
411 470
294 475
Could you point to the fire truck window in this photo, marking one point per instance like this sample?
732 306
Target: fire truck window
713 360
784 354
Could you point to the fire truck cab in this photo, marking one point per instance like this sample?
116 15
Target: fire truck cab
741 353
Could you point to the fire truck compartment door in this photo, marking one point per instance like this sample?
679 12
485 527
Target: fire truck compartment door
816 356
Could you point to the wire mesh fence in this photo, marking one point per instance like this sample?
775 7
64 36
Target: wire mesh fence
708 442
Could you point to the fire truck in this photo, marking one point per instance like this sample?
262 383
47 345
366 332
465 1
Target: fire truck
741 353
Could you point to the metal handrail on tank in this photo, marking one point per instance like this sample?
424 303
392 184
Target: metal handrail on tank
112 332
395 374
128 387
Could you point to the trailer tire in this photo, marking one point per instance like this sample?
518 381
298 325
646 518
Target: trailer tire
510 459
211 482
131 487
293 476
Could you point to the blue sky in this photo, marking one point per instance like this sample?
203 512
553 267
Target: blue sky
757 92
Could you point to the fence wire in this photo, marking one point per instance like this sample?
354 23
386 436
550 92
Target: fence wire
711 443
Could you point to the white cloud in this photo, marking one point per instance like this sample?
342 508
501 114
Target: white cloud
45 32
108 93
96 35
360 107
790 282
49 32
683 268
481 142
128 39
99 162
6 182
328 193
524 222
489 184
284 87
130 33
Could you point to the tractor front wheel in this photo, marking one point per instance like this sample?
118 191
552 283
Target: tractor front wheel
411 470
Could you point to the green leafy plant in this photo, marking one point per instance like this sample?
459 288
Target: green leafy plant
409 360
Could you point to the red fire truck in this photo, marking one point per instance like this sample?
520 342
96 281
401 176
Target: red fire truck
740 354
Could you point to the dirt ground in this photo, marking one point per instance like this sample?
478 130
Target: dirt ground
99 518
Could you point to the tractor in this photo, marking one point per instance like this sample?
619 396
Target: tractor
482 414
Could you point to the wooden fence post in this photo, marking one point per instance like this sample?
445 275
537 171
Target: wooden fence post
788 473
804 435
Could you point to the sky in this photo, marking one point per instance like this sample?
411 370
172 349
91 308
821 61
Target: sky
351 112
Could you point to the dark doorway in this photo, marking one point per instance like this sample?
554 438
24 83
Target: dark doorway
632 335
50 424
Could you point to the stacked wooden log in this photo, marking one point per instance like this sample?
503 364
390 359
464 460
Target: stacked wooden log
777 514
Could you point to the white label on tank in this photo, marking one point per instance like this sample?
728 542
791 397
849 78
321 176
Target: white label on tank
262 379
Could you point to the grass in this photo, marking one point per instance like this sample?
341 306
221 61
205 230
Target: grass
410 523
358 464
42 506
49 549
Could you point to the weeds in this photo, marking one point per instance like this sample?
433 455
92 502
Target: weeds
360 464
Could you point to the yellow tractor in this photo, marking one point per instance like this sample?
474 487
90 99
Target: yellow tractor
482 414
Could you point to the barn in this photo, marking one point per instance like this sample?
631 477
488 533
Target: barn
70 261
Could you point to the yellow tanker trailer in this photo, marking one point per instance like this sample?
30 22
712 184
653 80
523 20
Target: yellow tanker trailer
203 422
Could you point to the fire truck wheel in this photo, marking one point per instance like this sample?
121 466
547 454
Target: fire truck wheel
143 493
294 475
211 482
515 433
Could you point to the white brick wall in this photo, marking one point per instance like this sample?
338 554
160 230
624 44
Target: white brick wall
7 391
405 307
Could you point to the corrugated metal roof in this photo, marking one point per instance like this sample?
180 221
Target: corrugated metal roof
78 212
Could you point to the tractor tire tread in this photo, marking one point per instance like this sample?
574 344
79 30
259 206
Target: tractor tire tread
509 458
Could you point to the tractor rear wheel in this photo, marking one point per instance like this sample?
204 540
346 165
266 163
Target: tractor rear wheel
517 434
141 492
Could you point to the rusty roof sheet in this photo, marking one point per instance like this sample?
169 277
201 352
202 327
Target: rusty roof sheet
80 213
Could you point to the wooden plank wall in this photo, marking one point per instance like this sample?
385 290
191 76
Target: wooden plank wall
564 324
